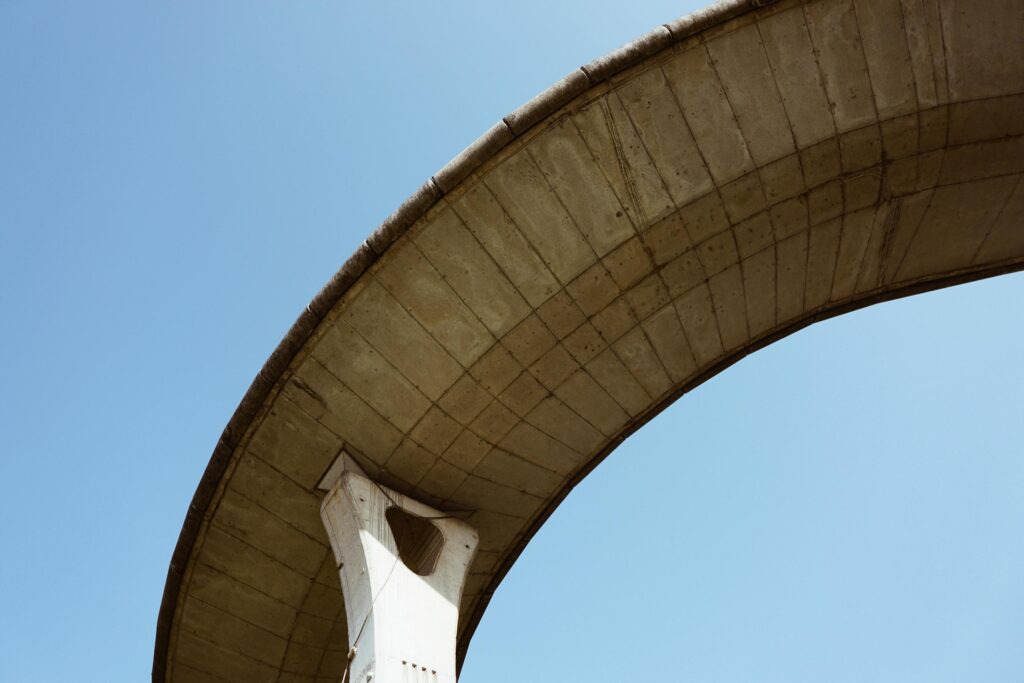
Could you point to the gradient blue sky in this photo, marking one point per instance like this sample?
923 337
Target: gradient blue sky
177 179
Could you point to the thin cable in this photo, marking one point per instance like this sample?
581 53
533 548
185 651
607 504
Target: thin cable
366 618
355 641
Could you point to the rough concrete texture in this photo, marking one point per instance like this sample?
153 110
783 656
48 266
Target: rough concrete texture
731 179
404 618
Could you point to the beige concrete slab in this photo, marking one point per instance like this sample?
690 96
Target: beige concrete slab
729 301
1006 236
888 56
637 354
746 75
611 373
252 606
697 316
976 36
576 178
540 215
955 225
684 273
420 289
464 400
561 315
669 342
533 445
853 244
458 256
516 472
351 359
787 43
791 276
200 656
923 62
911 211
557 420
250 566
403 342
655 113
614 321
554 367
700 95
648 297
629 263
835 36
755 234
613 140
283 497
584 396
321 395
499 235
759 290
295 443
523 394
822 252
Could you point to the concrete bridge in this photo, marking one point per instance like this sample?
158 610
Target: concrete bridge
722 182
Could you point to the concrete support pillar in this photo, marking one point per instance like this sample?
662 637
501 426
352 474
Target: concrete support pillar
403 566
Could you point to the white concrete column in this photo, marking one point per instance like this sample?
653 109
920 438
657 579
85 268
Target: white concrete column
403 566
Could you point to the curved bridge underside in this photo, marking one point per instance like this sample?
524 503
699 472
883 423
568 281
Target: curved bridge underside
659 214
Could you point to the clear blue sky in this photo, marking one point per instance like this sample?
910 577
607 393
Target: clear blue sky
177 179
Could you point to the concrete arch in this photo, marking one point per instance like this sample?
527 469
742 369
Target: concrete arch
660 213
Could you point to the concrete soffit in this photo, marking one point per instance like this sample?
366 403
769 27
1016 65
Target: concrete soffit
508 135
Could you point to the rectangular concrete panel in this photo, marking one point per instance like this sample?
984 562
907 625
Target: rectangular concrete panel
295 443
509 248
586 397
525 194
477 279
697 315
356 363
341 410
955 225
654 111
791 276
836 39
421 290
746 75
269 534
612 138
853 244
666 335
555 419
822 252
730 306
637 354
1006 235
253 568
759 290
611 373
400 339
791 55
888 56
700 95
576 178
976 35
533 445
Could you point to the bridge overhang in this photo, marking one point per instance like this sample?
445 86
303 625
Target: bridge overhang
660 213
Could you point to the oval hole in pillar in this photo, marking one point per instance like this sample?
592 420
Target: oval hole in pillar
419 542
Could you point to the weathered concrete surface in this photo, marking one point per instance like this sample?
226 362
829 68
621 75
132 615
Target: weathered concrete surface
403 613
719 184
